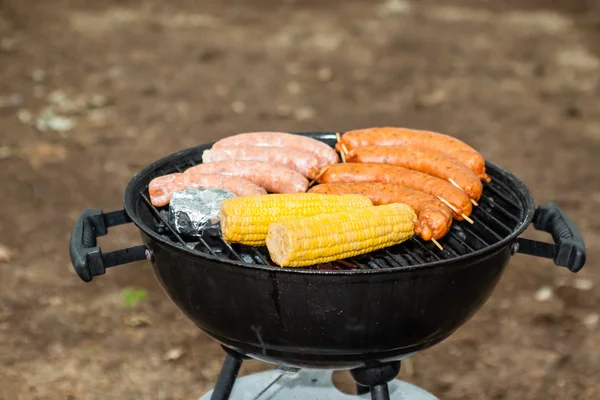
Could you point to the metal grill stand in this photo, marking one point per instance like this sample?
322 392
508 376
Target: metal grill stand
228 375
378 379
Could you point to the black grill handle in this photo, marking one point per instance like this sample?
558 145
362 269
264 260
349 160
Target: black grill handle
568 249
87 259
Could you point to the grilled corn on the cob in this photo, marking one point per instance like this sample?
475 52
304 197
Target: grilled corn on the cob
246 220
329 237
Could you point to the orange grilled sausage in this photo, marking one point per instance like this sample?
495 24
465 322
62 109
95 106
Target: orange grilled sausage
162 188
387 136
387 173
434 218
301 161
274 178
324 152
423 160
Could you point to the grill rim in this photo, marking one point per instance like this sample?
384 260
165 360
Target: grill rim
131 199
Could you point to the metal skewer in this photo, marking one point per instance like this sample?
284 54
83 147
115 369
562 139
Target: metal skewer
446 202
456 184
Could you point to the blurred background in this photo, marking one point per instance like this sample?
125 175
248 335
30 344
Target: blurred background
91 92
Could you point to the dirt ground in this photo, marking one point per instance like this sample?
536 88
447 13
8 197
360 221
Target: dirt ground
90 92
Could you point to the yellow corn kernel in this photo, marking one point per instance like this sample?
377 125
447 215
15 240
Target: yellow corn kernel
246 220
330 237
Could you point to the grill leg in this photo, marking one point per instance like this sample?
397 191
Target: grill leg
227 376
376 378
380 392
360 389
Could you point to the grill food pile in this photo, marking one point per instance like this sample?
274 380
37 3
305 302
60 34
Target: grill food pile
292 194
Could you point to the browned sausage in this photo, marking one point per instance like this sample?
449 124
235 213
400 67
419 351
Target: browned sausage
162 188
434 217
301 161
325 153
387 173
274 178
427 161
388 136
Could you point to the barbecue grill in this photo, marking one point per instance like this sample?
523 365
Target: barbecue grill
364 314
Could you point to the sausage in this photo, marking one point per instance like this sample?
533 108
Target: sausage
387 136
162 188
301 161
387 173
273 178
424 160
434 218
325 153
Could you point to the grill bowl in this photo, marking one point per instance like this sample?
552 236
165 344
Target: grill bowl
326 319
394 303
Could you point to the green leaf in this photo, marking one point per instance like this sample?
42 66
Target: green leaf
131 297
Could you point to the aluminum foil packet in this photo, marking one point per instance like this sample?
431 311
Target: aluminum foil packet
194 212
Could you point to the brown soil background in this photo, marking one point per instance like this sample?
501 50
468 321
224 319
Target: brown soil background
519 80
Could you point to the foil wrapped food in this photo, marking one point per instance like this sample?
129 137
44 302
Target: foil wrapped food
194 212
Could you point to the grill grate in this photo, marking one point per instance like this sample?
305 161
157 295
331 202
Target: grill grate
499 213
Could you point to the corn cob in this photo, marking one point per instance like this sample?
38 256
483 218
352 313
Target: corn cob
246 220
325 238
